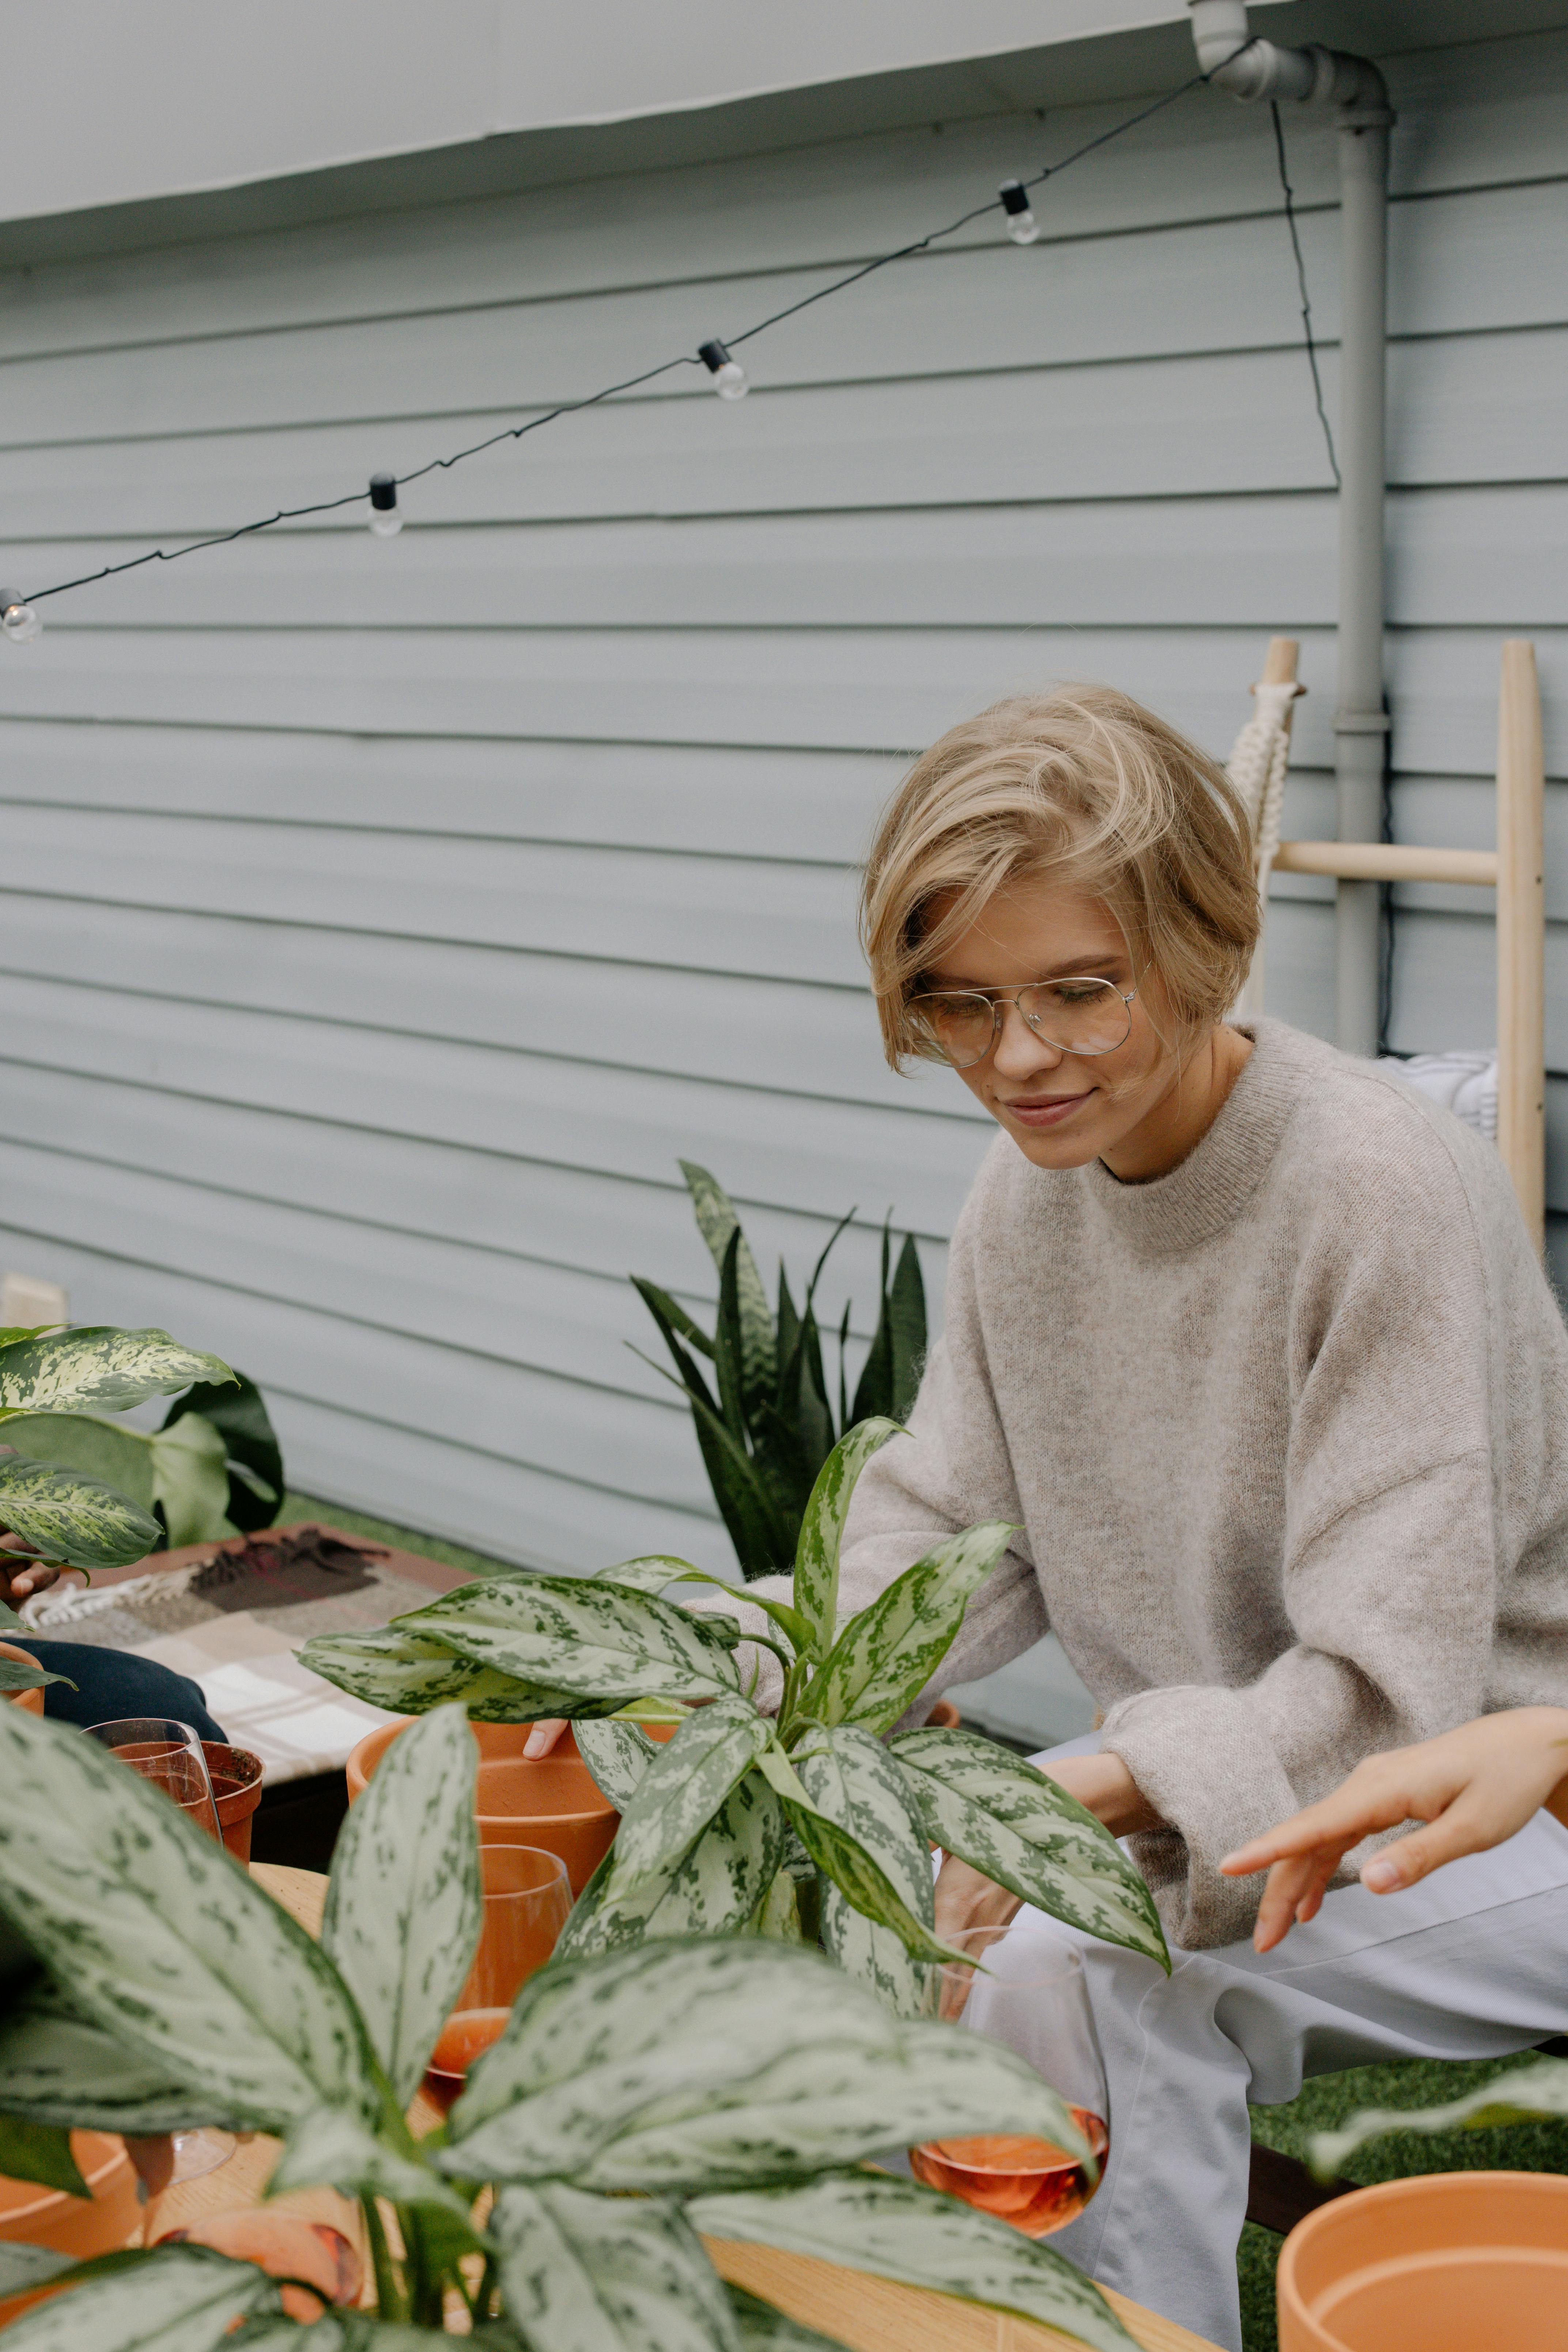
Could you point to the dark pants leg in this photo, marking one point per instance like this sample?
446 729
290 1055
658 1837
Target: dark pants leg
113 1684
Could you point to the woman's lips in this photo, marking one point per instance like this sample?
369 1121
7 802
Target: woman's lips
1047 1110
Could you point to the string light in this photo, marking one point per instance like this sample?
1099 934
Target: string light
19 622
385 521
1022 226
729 376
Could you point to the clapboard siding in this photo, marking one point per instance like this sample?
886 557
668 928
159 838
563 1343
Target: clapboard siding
379 923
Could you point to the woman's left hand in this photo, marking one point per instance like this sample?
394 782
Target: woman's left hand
21 1574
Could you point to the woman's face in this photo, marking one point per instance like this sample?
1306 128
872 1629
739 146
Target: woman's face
1064 1109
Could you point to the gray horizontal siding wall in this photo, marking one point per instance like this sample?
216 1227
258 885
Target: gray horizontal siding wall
378 922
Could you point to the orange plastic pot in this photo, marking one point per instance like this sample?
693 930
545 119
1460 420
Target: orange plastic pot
236 1785
78 2226
33 1700
549 1801
1466 2262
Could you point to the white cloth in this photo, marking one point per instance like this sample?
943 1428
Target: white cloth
265 1700
1465 1084
1469 1964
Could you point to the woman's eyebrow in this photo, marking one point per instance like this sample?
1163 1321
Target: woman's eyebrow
1079 967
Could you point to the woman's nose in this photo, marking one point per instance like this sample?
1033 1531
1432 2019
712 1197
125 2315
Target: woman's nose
1020 1051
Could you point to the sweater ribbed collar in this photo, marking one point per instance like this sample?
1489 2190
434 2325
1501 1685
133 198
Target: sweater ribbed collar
1209 1189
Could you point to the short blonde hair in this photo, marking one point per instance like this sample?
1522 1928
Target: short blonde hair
1085 785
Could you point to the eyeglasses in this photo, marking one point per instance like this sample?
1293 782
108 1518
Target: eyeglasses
960 1025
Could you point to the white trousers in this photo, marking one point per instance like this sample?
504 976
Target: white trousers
1472 1963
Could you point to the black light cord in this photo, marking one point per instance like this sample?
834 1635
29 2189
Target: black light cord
1301 283
690 359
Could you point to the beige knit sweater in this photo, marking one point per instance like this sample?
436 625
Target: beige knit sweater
1285 1435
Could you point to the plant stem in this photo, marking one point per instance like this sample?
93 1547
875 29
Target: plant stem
389 2298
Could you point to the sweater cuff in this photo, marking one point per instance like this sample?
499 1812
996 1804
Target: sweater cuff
1200 1757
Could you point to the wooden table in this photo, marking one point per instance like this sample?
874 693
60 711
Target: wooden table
869 2314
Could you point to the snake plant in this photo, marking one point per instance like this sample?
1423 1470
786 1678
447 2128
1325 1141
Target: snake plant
814 1824
765 1427
635 2103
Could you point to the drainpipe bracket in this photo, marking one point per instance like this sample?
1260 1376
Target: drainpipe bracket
1361 722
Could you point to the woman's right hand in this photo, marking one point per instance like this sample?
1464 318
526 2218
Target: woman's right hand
544 1735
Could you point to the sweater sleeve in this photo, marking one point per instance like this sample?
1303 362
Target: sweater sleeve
1396 1545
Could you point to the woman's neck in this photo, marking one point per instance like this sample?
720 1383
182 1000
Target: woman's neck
1185 1112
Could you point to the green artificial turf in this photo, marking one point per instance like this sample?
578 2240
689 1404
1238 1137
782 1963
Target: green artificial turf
1330 2099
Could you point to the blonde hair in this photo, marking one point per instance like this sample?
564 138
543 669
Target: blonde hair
1085 785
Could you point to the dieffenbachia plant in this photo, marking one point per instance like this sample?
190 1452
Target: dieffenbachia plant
635 2102
814 1825
1525 2095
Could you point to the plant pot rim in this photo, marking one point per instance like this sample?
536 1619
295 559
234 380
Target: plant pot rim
31 1700
595 1810
18 2220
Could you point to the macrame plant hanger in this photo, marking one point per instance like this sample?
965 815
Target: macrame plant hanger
1256 768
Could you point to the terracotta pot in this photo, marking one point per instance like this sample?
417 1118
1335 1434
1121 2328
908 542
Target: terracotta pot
944 1717
73 2225
1461 2261
236 1785
33 1700
285 2246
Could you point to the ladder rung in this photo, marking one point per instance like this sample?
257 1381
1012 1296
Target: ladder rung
1386 861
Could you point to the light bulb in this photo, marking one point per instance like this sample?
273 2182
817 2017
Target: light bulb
20 621
385 521
729 376
1022 226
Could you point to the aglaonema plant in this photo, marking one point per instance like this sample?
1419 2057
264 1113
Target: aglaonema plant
813 1824
636 2102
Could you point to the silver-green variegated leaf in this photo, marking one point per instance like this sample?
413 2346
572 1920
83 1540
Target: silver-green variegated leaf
716 1221
839 1856
1523 2095
683 1788
403 1907
330 2147
121 1457
98 1370
821 1529
778 1913
23 2267
885 1656
679 2067
166 1944
59 2069
584 2273
1008 1819
592 1642
173 2299
68 1517
651 1572
714 1890
15 1676
896 2230
617 1755
40 2152
762 2329
851 1777
345 2331
407 1673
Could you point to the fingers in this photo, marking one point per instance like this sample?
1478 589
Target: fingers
1469 1826
544 1735
1363 1806
1294 1892
36 1577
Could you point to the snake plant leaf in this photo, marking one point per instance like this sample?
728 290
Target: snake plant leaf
617 1755
715 1890
905 1306
852 1779
757 1528
237 1411
171 2299
41 2152
1523 2095
727 1345
717 1221
15 1676
687 1374
404 1908
1008 1819
584 2273
821 1529
407 1675
762 2328
190 1479
855 1871
683 1788
329 2146
165 1943
885 1656
59 2070
101 1369
896 2230
67 1517
665 1310
579 1637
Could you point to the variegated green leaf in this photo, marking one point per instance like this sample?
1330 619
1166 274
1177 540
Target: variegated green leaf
884 1657
165 1942
716 1221
190 1479
778 1914
678 2067
650 1573
73 1519
1521 2096
598 1642
762 2329
617 1755
683 1788
896 2230
821 1529
41 2152
328 2146
174 2299
713 1891
107 1450
1004 1818
852 1779
403 1907
23 2267
15 1676
409 1673
346 2331
839 1854
9 1621
584 2273
56 2068
101 1369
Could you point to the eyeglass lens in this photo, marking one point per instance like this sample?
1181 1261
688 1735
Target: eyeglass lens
1077 1016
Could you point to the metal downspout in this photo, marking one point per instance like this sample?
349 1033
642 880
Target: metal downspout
1355 88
